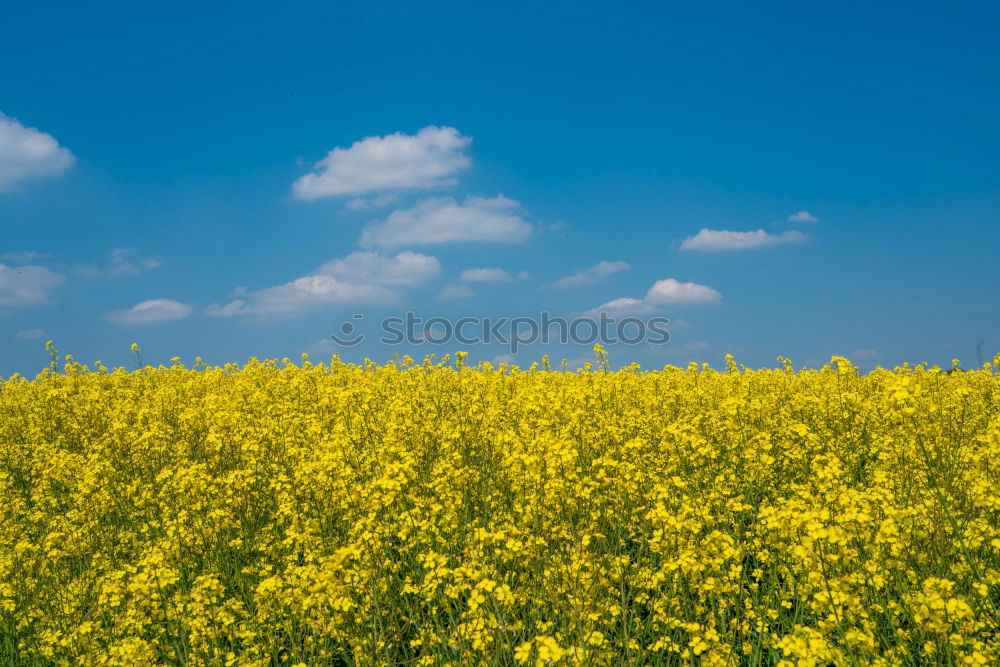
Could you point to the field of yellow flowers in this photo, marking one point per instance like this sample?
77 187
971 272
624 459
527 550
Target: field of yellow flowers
278 513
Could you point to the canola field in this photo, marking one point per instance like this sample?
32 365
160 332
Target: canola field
280 513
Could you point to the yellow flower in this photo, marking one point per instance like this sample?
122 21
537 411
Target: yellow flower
440 513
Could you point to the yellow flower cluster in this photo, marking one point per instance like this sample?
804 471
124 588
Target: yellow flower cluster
299 513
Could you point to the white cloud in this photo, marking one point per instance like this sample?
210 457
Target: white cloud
367 267
29 334
591 275
663 292
28 153
503 359
456 291
234 307
865 354
623 307
717 240
122 266
360 278
300 295
23 256
802 216
27 285
671 291
430 158
486 276
444 220
153 311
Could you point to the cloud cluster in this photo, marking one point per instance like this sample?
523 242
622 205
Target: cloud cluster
714 240
428 159
395 162
28 153
374 171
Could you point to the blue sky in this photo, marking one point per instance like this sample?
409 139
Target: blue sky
168 175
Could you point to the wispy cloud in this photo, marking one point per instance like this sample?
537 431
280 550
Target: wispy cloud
121 262
30 334
495 276
430 158
27 285
26 153
23 256
591 275
444 220
713 240
491 276
153 311
456 291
